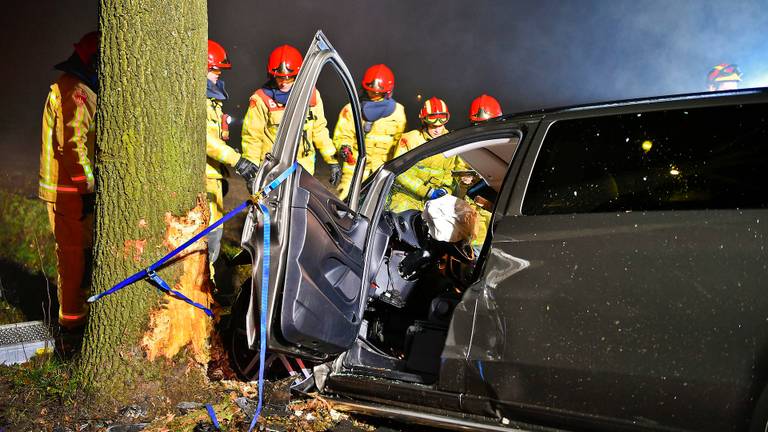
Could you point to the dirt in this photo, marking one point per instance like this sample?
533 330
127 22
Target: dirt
46 395
36 397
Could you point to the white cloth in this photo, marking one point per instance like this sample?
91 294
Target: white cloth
450 219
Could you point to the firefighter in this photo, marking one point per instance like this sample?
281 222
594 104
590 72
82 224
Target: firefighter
724 76
383 124
217 150
484 107
66 175
432 177
265 112
481 197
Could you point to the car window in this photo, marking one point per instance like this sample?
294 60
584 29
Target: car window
704 158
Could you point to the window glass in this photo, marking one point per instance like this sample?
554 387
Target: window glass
705 158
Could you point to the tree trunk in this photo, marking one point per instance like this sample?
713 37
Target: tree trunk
150 163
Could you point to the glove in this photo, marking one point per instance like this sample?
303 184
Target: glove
435 193
335 174
345 155
246 169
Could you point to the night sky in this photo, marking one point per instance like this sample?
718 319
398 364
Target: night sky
528 54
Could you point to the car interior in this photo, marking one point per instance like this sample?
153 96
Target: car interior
418 280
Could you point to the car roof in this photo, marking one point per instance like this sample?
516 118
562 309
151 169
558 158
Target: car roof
692 99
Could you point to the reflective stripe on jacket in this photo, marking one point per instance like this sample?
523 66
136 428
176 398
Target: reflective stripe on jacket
68 135
380 141
216 149
260 129
432 172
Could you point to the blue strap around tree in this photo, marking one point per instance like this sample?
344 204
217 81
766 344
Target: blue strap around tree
146 273
162 285
150 273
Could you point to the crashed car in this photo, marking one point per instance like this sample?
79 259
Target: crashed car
621 284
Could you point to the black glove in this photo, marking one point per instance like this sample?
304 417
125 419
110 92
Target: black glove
246 169
89 202
335 174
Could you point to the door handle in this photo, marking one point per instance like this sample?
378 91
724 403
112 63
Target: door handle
333 231
341 212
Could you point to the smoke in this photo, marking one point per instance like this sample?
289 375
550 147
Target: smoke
528 54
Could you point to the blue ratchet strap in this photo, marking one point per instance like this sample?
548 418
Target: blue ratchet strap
265 261
212 415
163 286
151 269
149 272
263 310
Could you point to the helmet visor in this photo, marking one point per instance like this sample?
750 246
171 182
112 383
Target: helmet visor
436 119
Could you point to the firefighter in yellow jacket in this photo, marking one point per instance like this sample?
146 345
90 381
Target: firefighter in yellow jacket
432 177
482 109
66 175
217 150
383 124
265 111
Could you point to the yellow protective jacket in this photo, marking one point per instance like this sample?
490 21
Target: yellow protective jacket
68 135
216 149
260 128
411 187
380 142
433 172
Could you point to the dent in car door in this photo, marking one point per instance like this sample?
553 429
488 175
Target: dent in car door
315 291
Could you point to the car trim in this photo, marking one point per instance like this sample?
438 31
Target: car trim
423 418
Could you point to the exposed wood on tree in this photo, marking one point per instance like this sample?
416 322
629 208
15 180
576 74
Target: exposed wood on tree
177 324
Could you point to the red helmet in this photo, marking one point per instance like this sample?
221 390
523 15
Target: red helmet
217 57
434 111
484 107
380 79
285 61
88 47
724 72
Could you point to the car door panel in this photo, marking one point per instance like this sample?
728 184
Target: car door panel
323 269
316 291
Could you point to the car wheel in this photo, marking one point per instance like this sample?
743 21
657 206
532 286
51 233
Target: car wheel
245 361
759 421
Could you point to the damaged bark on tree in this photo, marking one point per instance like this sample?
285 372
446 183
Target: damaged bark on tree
150 163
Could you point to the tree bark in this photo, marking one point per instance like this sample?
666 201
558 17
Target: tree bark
150 163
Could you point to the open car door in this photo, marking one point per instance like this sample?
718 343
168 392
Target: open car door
316 293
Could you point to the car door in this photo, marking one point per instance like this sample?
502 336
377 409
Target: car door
316 295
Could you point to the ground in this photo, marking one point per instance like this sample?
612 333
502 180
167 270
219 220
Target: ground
46 395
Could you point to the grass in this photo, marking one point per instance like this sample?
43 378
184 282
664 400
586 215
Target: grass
9 314
26 235
27 252
33 389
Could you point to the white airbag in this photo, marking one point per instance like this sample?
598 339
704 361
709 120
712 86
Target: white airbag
450 219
